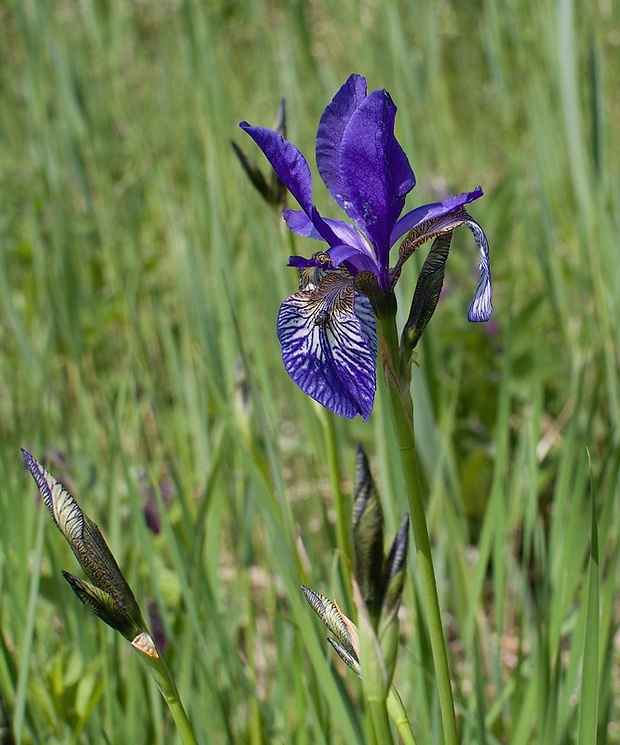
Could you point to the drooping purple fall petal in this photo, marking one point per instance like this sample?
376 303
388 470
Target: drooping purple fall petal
481 306
329 345
445 218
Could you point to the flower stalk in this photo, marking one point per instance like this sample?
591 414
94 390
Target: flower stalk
399 716
401 408
333 457
344 312
165 682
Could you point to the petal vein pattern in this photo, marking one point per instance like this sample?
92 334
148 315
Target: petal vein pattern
481 306
63 508
329 345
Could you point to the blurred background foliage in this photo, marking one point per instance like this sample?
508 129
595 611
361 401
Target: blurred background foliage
140 278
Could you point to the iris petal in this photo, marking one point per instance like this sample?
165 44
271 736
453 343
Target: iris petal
481 306
287 161
293 170
352 259
375 172
328 349
432 211
331 130
341 255
301 224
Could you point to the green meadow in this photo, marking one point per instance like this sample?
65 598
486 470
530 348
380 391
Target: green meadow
140 280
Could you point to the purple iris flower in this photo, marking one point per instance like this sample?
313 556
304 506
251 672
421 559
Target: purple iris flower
327 329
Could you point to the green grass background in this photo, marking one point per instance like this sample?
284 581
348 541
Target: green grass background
140 278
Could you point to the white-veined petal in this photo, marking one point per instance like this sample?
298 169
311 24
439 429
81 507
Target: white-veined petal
328 350
64 509
481 306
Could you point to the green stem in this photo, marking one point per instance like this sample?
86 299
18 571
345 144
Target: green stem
380 721
375 682
160 672
343 538
401 406
399 716
342 514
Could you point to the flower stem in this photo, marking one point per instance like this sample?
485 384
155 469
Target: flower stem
343 539
380 721
401 406
342 514
165 682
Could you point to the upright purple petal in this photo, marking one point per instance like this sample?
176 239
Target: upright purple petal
331 130
328 351
375 172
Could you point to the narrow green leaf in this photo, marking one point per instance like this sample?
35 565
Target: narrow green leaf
588 704
6 732
375 678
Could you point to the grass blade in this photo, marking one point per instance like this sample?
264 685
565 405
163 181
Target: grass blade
588 705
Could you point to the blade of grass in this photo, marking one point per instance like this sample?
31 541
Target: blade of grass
21 692
588 703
